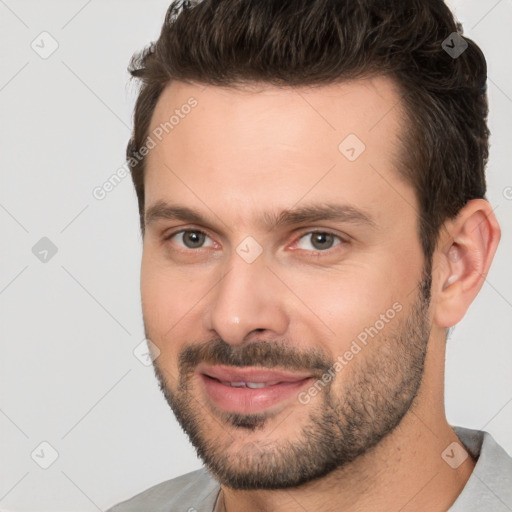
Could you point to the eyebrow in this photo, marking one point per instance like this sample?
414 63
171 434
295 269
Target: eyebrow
162 210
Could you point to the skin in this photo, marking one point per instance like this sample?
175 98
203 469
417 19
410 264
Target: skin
241 152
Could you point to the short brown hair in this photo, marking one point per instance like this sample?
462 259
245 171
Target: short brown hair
315 42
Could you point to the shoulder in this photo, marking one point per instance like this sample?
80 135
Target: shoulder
489 487
194 492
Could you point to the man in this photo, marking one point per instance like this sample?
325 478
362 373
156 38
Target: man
310 179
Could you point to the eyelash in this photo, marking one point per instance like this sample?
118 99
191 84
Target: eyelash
316 253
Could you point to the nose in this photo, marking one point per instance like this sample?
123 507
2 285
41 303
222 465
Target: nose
248 298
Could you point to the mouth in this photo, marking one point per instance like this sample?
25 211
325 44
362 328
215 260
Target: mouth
250 389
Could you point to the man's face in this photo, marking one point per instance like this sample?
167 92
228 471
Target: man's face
325 316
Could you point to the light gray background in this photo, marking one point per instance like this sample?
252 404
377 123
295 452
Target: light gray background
69 326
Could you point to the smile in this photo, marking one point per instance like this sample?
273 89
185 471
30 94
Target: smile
249 390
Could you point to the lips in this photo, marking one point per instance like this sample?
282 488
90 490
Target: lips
251 374
251 389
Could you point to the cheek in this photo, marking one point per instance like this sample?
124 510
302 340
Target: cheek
338 305
162 309
165 296
172 303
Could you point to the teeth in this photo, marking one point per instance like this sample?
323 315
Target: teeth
255 385
252 385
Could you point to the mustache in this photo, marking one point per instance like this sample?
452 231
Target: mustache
268 354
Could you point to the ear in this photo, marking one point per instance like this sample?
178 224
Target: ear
462 260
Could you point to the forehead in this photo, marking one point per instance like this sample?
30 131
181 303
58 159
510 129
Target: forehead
265 146
369 106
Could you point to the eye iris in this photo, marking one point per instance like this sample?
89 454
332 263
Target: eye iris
194 237
321 238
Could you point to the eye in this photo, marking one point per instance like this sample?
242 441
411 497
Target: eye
190 238
320 240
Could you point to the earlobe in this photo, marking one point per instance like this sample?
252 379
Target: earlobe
464 257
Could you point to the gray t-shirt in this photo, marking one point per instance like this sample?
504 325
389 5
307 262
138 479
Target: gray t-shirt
489 488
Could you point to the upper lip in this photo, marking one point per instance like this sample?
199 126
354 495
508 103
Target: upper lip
250 374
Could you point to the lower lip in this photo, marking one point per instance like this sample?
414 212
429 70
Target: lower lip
249 401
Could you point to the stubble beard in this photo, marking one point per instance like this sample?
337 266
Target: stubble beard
385 379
